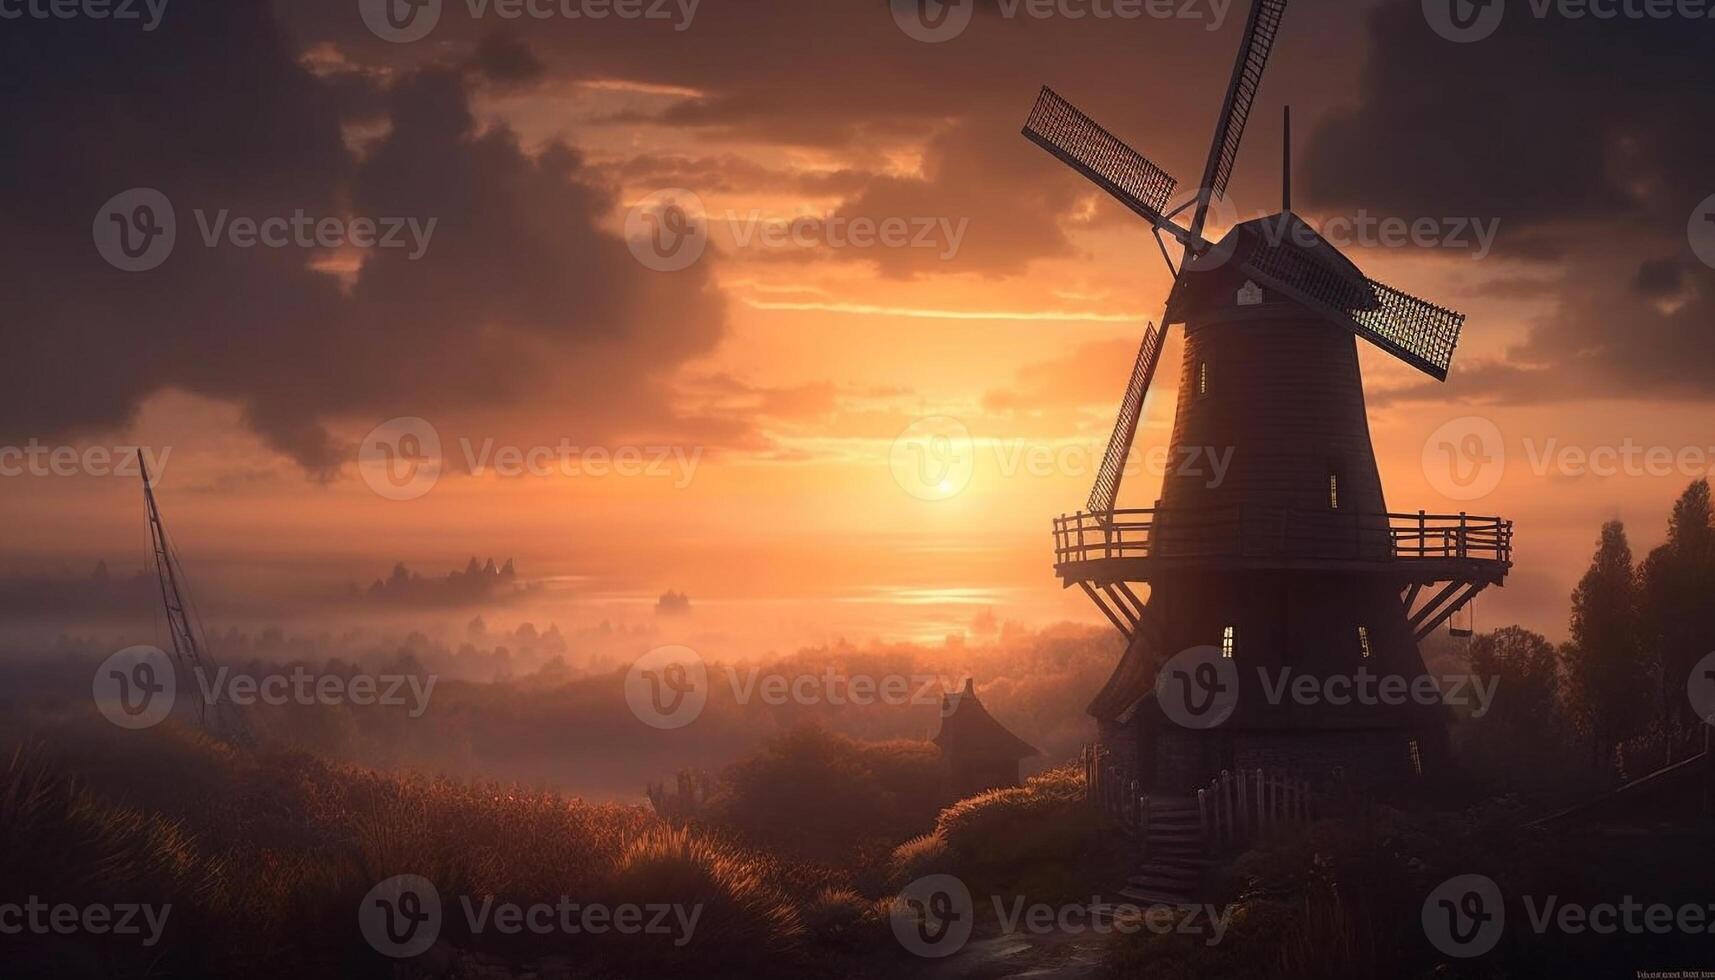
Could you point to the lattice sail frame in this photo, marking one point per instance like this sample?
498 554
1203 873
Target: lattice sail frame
1415 330
1260 32
1062 129
1106 491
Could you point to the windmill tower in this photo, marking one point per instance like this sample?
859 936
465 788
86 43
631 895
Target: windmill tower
1293 561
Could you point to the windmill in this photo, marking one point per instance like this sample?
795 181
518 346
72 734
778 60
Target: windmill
222 719
1292 560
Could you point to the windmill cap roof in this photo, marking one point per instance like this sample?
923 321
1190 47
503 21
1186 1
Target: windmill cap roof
1286 228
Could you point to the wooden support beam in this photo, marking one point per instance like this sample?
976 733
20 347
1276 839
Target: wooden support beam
1430 606
1411 596
1103 606
1452 607
1131 615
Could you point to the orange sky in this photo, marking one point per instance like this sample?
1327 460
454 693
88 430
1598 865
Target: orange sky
826 358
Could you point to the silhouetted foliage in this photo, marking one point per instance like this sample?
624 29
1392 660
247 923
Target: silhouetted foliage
1609 680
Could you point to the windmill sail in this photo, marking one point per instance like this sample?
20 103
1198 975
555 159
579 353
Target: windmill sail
1060 128
1416 331
1260 31
1107 488
221 718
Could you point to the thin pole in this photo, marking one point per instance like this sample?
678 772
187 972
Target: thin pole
1286 163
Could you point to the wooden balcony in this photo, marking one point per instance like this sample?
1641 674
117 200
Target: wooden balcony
1413 549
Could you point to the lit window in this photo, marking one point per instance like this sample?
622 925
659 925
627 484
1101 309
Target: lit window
1416 758
1364 641
1229 641
1333 491
1202 377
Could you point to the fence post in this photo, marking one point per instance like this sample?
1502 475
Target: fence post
1235 815
1143 824
1261 812
1203 817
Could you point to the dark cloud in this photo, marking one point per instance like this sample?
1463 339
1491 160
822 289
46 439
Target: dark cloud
519 292
507 60
1588 139
1659 277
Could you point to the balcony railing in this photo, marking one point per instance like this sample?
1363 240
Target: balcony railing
1279 532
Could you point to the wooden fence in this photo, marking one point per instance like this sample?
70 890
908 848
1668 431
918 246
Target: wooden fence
1237 808
1114 790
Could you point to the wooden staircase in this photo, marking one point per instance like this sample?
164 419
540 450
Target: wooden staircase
1174 853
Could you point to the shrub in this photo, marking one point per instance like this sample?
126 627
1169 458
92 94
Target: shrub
828 797
743 923
1041 840
919 856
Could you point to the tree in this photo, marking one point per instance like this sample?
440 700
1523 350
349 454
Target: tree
1526 673
1678 595
1609 682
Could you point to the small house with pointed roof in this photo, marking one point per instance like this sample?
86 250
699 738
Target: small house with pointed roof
977 752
